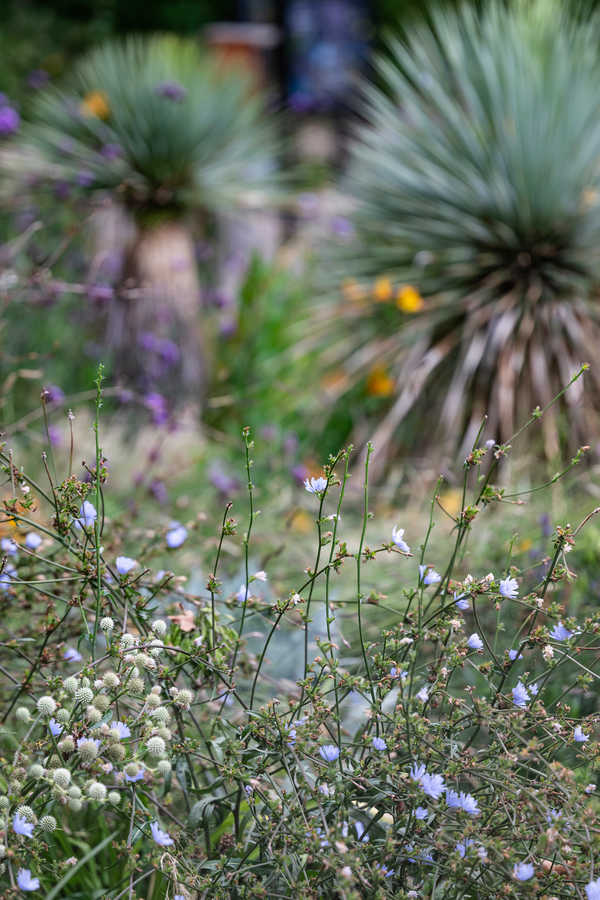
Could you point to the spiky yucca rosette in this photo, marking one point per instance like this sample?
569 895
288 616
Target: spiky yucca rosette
471 283
157 129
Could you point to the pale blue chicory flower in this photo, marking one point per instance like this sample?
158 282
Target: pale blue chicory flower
509 588
26 882
162 838
176 535
22 826
315 485
523 871
329 752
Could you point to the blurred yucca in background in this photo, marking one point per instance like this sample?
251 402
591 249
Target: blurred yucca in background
471 281
157 119
156 129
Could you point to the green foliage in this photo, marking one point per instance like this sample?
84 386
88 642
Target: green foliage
476 184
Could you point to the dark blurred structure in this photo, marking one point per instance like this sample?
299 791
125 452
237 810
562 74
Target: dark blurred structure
325 49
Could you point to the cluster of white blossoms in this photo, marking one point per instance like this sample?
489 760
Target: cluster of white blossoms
92 737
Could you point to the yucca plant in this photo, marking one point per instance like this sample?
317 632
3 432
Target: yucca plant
471 282
158 126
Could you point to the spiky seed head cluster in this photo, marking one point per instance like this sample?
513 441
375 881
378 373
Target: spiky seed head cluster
111 680
23 715
62 716
46 706
160 714
36 770
47 823
101 702
163 766
159 627
26 812
156 745
114 798
126 642
96 791
87 750
183 698
71 684
93 714
61 777
107 624
84 695
67 744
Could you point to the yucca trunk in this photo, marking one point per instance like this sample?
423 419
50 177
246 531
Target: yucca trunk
157 305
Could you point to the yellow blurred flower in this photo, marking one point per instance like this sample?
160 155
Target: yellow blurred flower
409 300
451 501
589 198
302 522
95 104
525 545
382 290
379 383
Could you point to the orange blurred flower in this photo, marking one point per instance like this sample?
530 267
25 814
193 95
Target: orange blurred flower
352 290
379 383
334 382
95 104
409 300
382 290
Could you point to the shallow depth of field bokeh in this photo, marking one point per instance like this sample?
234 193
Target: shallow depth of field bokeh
300 415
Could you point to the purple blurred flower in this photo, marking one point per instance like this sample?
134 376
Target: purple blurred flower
100 292
62 189
224 483
53 394
111 151
72 655
9 120
227 327
171 90
342 227
85 178
156 404
299 473
159 491
37 79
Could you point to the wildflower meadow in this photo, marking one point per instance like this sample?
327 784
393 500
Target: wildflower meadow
147 752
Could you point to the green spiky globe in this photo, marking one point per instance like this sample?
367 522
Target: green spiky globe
157 119
475 182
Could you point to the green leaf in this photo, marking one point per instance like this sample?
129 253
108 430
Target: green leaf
55 892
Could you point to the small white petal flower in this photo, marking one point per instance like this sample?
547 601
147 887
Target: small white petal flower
398 539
